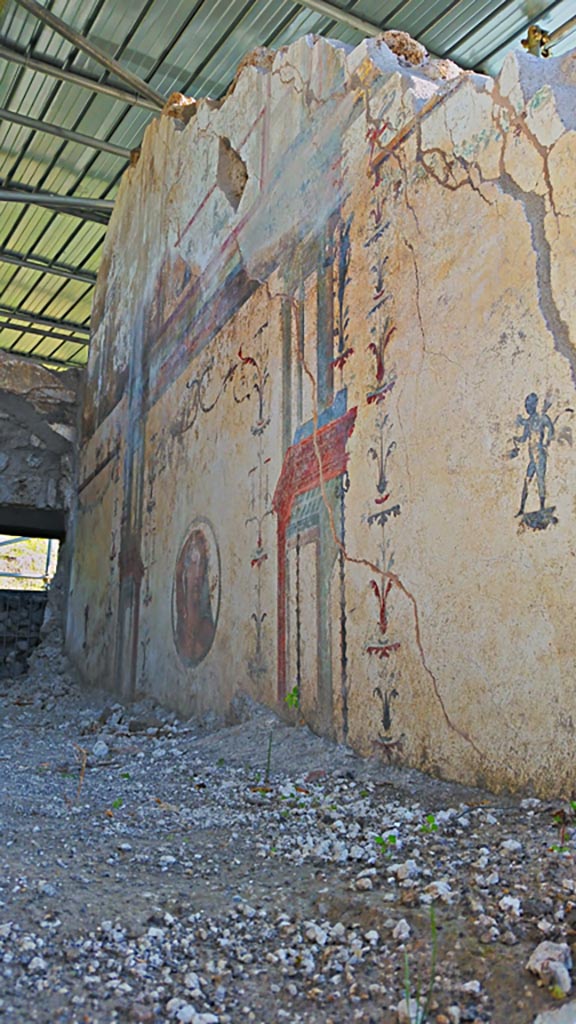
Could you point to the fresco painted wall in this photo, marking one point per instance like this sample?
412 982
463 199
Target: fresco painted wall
327 438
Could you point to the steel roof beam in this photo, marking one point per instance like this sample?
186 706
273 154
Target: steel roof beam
39 318
564 30
368 28
8 51
76 206
64 133
45 266
80 41
7 325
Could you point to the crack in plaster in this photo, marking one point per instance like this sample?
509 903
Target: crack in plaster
520 127
534 207
311 100
466 181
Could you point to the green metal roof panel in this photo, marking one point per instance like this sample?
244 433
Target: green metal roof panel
193 46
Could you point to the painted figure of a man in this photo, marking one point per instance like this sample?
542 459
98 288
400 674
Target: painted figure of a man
537 433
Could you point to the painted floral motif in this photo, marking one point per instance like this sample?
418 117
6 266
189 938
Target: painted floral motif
381 382
254 380
342 310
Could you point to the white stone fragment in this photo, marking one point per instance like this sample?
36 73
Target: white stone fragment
37 964
364 884
187 1014
563 1015
409 869
100 749
409 1011
511 846
510 905
402 930
545 926
192 981
552 961
316 934
439 889
471 987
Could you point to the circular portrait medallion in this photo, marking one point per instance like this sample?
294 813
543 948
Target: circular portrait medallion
196 593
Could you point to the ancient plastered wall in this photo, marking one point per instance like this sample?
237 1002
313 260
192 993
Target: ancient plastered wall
328 428
38 414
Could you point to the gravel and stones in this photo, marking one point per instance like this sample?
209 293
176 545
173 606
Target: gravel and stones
155 871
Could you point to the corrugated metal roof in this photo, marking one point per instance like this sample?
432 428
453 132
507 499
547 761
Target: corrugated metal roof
49 256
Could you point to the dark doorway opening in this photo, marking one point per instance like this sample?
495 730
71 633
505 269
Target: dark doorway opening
29 543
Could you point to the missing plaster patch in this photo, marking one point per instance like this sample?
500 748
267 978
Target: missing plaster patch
232 174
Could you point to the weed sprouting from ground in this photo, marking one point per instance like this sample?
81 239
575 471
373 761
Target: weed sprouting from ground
422 1008
292 699
386 843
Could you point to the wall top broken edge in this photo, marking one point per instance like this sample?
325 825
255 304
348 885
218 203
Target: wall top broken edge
352 73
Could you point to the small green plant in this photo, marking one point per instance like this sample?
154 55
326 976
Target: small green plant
429 824
386 843
292 699
125 775
220 762
422 1008
117 803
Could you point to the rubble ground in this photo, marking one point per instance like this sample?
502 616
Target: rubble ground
155 871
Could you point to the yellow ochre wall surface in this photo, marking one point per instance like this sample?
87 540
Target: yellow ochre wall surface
327 432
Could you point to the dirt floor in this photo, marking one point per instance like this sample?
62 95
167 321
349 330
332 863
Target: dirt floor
154 871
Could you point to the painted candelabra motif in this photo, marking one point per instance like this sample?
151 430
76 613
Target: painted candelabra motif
254 380
538 430
387 742
385 509
342 310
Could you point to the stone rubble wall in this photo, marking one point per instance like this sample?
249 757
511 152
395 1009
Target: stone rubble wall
38 415
21 617
327 447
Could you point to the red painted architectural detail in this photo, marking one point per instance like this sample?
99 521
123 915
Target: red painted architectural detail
322 456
